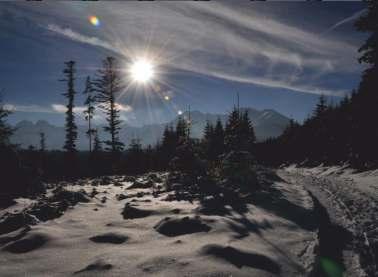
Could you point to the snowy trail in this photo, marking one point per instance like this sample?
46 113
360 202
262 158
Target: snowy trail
351 201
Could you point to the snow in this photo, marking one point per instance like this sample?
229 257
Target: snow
259 242
351 199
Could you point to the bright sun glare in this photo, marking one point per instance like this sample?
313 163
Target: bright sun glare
142 71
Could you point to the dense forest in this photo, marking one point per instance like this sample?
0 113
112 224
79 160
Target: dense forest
333 134
343 133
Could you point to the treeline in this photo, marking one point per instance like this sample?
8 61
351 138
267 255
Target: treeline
23 170
343 133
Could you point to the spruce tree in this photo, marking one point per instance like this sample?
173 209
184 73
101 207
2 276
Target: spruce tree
246 133
208 132
42 142
231 137
208 139
181 129
321 106
89 111
5 130
169 143
71 128
218 140
108 86
97 146
364 103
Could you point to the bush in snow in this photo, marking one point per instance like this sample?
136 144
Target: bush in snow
237 168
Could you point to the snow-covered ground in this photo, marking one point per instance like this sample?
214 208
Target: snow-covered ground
301 222
156 237
351 200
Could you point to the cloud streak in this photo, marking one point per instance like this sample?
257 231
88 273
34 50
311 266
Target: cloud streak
70 34
239 43
345 20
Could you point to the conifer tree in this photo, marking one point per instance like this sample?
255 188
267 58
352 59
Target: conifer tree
108 86
208 140
365 102
71 128
89 111
42 142
321 106
5 130
181 129
218 140
246 133
231 137
208 131
169 143
97 146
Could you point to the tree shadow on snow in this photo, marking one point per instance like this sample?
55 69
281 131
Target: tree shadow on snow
241 258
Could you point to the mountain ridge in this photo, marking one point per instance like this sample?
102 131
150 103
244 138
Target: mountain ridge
267 123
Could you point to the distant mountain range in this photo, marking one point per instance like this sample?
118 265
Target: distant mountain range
267 123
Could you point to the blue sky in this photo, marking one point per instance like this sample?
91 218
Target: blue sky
276 55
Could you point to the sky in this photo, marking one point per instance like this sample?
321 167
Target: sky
275 55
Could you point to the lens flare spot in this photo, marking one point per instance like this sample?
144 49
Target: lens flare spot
94 20
332 268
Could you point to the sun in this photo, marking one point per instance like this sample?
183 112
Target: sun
142 71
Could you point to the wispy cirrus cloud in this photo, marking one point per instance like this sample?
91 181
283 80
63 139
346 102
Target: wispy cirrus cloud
68 33
57 108
27 108
353 17
240 43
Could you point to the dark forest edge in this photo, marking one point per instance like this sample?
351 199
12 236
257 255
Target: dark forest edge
339 134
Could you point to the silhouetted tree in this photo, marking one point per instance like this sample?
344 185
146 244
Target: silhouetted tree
181 129
239 134
42 142
246 133
97 146
108 86
231 135
208 131
71 128
207 141
168 145
218 140
5 130
89 111
364 103
321 106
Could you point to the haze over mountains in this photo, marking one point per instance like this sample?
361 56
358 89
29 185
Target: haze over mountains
267 123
